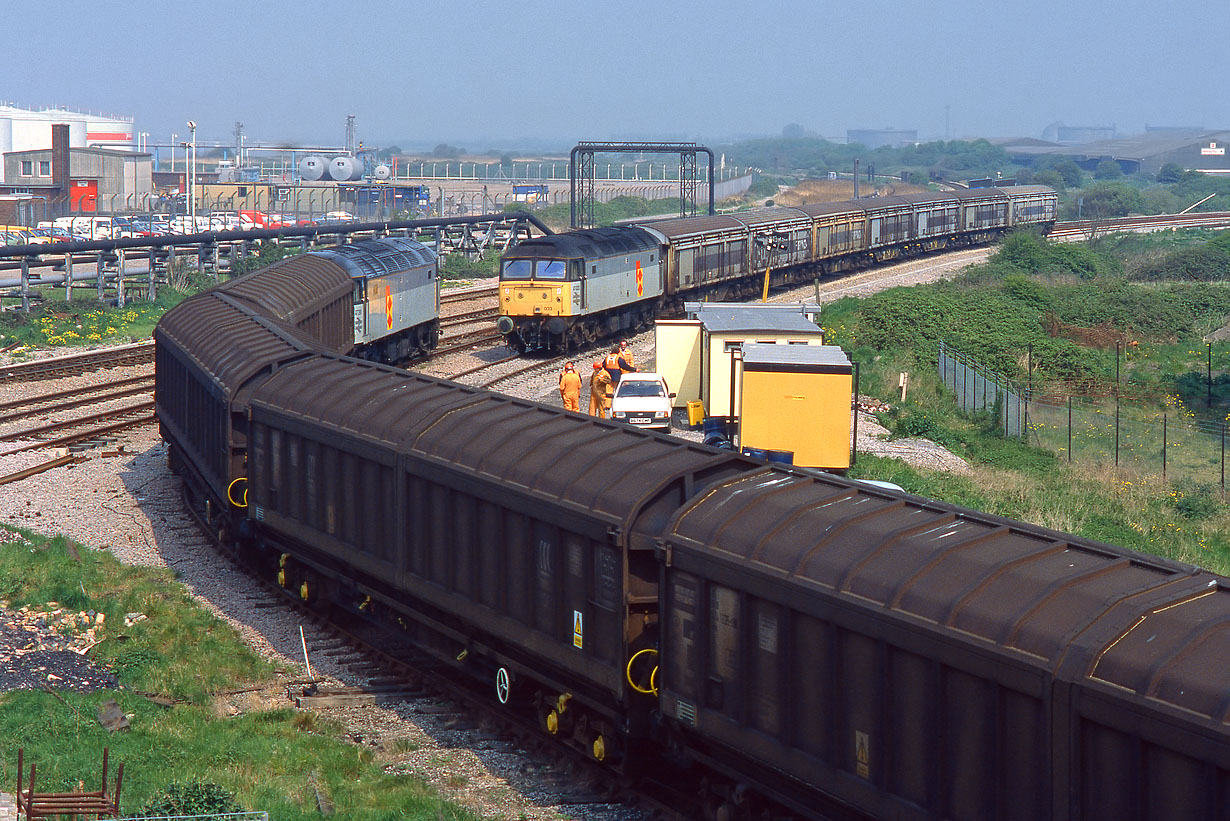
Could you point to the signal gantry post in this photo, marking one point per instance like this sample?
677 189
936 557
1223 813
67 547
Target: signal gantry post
581 175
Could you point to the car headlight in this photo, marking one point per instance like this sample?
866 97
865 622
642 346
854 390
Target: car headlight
661 415
618 414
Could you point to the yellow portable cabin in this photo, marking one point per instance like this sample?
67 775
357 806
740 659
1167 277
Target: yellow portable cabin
797 398
696 354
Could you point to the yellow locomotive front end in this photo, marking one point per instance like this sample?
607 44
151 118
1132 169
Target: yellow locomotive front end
537 295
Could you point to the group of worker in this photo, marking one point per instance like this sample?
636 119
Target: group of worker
607 373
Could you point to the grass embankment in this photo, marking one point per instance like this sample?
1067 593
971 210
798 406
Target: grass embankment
994 313
266 757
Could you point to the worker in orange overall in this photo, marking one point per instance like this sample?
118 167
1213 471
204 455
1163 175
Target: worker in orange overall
570 387
600 392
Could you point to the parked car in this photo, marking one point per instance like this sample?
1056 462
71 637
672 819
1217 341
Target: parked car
643 400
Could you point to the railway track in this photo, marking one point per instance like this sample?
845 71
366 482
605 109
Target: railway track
96 426
391 671
1083 229
74 398
464 295
53 367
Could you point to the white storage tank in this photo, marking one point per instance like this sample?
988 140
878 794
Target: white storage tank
382 172
312 168
343 169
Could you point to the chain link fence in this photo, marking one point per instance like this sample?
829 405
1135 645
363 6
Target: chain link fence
1133 435
1138 441
979 389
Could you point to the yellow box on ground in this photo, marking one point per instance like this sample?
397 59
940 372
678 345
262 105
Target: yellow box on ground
696 412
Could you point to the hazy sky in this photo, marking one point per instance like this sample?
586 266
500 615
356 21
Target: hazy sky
487 75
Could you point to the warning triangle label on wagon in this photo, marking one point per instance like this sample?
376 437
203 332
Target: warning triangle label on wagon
577 631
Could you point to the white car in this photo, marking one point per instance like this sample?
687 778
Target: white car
643 400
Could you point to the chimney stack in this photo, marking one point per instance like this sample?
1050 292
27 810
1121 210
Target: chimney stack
59 157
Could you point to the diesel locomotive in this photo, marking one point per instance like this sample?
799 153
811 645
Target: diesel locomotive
391 285
792 643
574 288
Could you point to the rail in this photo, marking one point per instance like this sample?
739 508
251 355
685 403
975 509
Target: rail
78 363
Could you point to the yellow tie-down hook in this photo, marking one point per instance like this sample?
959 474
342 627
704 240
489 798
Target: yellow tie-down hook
652 689
242 501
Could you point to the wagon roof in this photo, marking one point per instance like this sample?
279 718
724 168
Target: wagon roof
1120 617
685 226
540 450
292 288
228 339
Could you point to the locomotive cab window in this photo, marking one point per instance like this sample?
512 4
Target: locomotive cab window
518 269
360 288
550 269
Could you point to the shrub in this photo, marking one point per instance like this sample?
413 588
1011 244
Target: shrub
1196 500
192 798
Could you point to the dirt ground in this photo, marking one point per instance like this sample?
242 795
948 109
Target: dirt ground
812 191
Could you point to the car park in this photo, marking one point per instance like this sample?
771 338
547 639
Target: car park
643 400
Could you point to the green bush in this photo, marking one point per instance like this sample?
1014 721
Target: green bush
268 254
1195 500
463 266
192 798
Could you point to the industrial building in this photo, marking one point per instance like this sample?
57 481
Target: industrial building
881 137
24 130
62 179
1146 153
1077 134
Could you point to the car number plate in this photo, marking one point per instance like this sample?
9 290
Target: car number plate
640 420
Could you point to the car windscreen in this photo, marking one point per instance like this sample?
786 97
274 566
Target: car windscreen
630 388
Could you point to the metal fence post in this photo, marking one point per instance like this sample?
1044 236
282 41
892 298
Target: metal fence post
1069 427
1223 457
854 438
25 284
99 276
1164 437
1117 351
